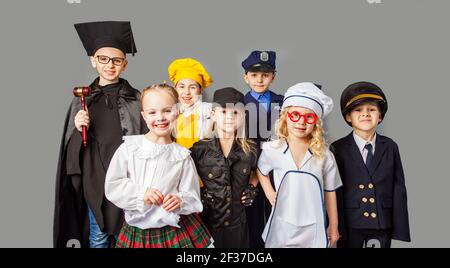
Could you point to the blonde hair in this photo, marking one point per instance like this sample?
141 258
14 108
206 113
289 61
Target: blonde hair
247 145
317 143
160 87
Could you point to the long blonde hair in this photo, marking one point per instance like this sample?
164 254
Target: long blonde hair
247 145
317 143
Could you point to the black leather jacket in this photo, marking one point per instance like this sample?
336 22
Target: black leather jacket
224 180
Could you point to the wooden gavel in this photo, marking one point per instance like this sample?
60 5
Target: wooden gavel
83 92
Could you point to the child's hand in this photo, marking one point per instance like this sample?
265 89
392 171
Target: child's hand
248 195
333 235
153 197
82 120
272 196
171 202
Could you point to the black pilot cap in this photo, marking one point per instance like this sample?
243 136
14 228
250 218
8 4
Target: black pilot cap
116 34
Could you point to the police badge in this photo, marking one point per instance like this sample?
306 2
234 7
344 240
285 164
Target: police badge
264 56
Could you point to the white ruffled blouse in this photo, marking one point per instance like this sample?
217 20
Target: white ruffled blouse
139 164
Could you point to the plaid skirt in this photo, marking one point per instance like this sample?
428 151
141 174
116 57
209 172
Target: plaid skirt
192 234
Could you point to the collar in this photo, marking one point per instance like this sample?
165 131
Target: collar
257 95
189 110
214 145
360 142
125 90
143 148
306 158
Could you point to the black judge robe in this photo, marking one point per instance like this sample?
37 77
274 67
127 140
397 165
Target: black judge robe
114 111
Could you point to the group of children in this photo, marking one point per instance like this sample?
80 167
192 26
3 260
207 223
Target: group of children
164 169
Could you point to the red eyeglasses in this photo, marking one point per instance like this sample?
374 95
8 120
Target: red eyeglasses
310 118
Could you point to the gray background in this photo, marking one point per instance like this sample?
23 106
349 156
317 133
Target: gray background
402 45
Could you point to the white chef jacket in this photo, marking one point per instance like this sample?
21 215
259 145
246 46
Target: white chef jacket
203 110
298 218
139 164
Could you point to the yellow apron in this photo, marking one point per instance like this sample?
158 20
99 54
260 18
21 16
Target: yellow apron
188 132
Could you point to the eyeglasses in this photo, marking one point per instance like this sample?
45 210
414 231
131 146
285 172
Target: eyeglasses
105 60
310 118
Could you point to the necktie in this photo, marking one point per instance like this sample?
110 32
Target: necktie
369 158
263 100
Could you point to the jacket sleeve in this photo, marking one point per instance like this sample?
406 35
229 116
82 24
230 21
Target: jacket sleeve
400 226
121 190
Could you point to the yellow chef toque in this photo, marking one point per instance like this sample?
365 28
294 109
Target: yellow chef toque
189 68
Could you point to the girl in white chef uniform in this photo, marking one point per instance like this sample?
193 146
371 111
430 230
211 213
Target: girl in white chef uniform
305 174
154 180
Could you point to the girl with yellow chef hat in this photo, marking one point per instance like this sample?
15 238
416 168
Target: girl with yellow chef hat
190 78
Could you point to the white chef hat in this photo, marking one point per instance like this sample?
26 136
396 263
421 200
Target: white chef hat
308 95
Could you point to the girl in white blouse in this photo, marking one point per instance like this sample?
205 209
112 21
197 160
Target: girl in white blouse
155 182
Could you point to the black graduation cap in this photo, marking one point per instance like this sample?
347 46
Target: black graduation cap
117 34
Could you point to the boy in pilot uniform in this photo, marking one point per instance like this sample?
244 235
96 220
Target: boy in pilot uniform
373 201
260 71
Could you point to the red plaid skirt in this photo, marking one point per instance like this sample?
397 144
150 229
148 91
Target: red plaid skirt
192 234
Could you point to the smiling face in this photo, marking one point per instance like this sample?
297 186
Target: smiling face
300 122
160 112
188 92
259 81
227 120
109 73
365 117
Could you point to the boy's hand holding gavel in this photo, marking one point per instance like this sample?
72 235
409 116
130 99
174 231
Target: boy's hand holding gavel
82 120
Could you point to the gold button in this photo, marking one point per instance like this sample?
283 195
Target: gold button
226 223
210 175
372 200
373 215
361 186
370 185
228 211
228 188
244 170
228 199
366 214
364 200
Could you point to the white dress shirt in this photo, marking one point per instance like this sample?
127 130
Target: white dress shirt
361 143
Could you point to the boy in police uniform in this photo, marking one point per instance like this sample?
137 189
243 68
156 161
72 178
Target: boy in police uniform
373 202
260 71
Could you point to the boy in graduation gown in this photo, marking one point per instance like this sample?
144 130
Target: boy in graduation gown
83 216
